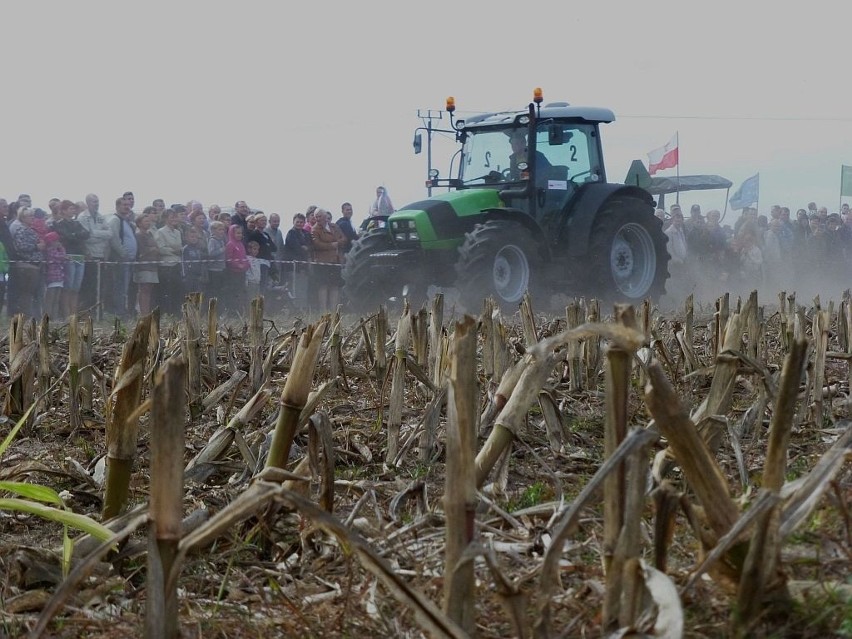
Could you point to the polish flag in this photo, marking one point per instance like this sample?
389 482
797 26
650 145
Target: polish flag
664 157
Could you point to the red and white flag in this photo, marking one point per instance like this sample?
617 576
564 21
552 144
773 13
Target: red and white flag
664 157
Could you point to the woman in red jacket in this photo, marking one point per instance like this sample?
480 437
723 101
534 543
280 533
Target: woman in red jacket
236 265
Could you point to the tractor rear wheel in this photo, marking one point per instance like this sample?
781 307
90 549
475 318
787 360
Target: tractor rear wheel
627 259
365 286
500 259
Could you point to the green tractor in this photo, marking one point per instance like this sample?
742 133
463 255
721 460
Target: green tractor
529 210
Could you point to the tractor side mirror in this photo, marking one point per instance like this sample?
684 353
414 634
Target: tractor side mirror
418 143
555 135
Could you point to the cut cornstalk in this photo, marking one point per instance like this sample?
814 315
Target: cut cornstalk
615 429
21 369
436 325
420 336
381 330
121 432
574 350
460 481
87 378
536 369
168 423
528 321
295 393
753 325
820 333
44 372
689 320
621 602
397 394
764 555
191 348
256 344
335 355
212 340
592 345
74 350
718 400
486 327
690 450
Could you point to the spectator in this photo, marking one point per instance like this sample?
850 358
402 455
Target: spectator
213 213
170 243
216 259
193 261
146 273
4 269
236 265
94 286
27 271
54 276
266 248
297 253
254 274
382 205
73 236
695 218
277 237
677 247
327 241
310 217
241 212
774 272
8 244
159 205
122 254
345 224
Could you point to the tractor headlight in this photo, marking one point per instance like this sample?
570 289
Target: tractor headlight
399 237
413 236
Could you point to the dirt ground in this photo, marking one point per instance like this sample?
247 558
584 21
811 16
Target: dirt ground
277 574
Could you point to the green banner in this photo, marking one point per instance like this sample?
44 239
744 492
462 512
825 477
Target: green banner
845 180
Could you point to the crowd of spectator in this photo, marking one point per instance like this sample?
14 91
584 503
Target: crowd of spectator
72 256
770 253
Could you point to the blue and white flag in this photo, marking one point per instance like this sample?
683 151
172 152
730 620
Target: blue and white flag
747 194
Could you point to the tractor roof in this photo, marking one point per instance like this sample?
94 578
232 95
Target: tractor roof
561 110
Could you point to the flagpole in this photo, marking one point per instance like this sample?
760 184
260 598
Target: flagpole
840 199
677 146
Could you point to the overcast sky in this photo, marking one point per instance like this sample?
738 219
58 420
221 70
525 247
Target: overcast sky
285 106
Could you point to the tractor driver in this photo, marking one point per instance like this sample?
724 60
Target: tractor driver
518 140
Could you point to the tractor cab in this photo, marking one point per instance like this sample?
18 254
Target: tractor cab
537 159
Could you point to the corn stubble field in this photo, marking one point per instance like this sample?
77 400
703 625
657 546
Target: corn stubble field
614 471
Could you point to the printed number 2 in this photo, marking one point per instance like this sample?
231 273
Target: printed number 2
573 149
487 159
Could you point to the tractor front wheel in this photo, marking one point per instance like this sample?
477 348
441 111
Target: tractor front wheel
498 259
365 286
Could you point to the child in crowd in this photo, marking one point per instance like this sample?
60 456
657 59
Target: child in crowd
55 256
253 275
194 269
236 265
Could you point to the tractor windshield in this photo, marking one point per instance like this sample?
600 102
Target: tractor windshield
565 152
486 156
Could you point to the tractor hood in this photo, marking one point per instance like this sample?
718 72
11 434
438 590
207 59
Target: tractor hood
448 216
